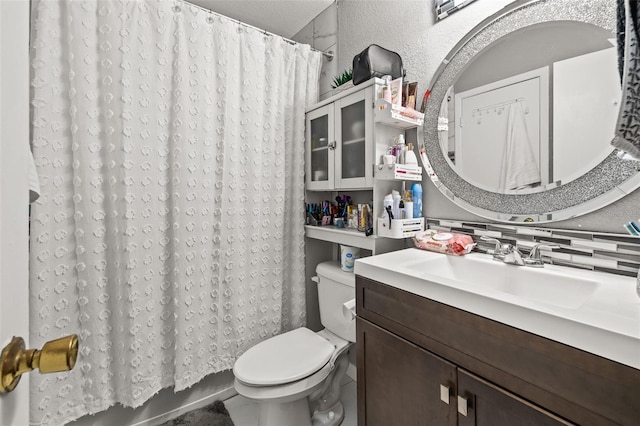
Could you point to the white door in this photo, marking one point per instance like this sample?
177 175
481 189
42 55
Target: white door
14 137
584 113
481 126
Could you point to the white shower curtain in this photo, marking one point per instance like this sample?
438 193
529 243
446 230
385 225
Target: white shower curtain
169 233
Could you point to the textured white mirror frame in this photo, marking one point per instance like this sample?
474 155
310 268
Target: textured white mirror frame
609 181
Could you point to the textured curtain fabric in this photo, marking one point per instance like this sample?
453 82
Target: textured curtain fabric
169 233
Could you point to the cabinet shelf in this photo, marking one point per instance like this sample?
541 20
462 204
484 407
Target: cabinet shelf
347 236
398 172
320 148
391 115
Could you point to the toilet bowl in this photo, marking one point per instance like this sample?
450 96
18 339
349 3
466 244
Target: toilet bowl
295 377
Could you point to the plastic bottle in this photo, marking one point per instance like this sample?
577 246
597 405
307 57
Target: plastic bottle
401 150
410 156
416 197
396 204
408 209
364 212
348 255
387 202
386 89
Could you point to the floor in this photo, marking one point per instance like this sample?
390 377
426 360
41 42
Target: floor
245 412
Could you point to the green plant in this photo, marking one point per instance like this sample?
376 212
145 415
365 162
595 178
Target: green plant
343 78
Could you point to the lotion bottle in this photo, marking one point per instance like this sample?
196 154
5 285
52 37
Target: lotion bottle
410 156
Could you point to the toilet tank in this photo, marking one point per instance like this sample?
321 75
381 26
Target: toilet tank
336 287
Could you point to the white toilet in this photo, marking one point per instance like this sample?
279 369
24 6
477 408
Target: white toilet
296 376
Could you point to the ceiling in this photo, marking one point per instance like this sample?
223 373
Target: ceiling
282 17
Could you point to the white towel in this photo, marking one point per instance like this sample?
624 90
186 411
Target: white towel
519 165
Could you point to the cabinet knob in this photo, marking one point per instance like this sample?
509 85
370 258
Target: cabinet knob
332 145
462 406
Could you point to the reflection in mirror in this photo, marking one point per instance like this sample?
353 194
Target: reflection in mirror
445 8
522 111
534 110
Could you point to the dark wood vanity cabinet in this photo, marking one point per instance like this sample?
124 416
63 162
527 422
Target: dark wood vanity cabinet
402 384
483 403
421 362
394 384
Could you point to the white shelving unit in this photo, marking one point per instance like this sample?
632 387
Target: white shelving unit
383 122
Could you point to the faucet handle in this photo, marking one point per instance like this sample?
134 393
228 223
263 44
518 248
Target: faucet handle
535 259
498 244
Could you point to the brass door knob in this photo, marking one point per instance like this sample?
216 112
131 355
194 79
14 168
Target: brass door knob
55 356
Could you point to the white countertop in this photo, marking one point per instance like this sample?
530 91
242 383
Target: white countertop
607 323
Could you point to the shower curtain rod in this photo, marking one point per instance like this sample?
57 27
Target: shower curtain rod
329 55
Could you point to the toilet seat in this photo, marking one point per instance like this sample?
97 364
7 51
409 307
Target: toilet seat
285 358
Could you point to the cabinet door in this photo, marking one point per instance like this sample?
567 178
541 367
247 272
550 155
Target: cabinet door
354 144
481 403
320 148
400 383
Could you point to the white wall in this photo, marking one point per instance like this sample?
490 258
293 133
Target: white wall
409 28
14 148
322 34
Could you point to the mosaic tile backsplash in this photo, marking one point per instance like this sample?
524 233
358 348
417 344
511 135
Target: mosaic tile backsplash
605 252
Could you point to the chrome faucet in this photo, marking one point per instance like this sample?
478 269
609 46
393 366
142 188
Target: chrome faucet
506 253
497 251
535 259
510 254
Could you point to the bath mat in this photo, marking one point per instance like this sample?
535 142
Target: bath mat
214 414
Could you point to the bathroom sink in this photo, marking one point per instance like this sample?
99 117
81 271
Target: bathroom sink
594 311
479 272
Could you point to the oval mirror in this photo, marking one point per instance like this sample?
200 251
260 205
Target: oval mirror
522 111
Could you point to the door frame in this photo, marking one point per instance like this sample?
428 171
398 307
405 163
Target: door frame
14 199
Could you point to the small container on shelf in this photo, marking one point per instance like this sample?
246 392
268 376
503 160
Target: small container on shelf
397 171
400 228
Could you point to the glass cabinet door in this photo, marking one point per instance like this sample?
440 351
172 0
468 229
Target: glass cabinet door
320 148
353 141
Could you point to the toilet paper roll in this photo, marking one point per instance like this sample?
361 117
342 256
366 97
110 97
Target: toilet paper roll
349 309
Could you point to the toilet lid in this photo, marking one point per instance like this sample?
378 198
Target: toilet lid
284 358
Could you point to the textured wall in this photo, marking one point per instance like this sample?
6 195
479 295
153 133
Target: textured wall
322 34
409 28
